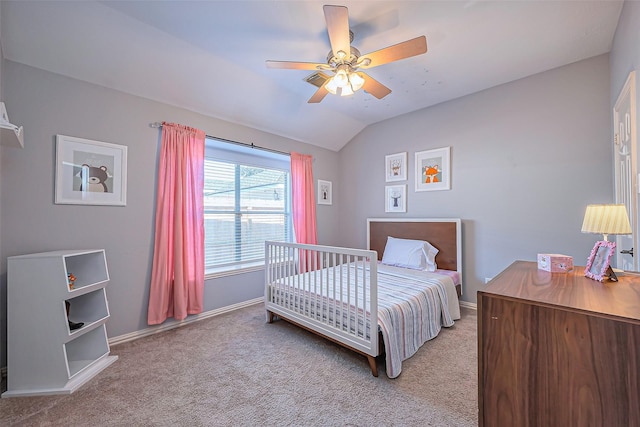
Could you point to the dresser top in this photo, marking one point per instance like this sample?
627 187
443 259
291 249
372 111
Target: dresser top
523 280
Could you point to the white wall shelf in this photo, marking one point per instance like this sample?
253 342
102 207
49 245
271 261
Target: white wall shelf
10 134
43 355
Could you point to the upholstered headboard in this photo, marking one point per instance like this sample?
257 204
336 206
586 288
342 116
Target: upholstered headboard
443 233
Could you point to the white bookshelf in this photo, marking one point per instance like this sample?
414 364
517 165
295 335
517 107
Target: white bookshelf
43 355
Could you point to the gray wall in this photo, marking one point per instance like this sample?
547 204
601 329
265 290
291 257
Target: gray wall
526 157
47 104
625 55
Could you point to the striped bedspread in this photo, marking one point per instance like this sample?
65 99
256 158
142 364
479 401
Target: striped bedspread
412 307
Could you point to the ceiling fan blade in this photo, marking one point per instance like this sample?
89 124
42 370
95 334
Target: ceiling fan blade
373 86
291 65
398 51
337 18
319 95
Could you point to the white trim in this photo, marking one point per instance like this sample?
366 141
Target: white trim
233 270
467 304
157 329
628 196
152 331
194 318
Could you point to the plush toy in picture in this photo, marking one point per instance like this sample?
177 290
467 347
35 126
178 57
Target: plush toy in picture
94 179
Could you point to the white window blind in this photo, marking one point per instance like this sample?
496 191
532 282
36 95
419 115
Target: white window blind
247 200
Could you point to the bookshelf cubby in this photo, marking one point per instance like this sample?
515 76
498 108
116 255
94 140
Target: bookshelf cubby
44 356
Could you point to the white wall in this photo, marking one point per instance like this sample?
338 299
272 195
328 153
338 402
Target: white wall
47 104
527 157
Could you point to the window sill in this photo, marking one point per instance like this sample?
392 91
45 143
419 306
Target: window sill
213 273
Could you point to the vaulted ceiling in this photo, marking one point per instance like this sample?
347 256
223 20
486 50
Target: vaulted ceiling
209 56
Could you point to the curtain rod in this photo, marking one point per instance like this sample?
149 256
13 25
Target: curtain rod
244 144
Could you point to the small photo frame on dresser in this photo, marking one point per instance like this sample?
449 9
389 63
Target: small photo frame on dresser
598 266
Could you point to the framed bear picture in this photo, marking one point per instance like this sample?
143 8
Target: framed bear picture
90 172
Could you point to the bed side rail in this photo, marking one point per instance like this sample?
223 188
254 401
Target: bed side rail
330 290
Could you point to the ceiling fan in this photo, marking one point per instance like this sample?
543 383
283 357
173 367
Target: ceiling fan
345 61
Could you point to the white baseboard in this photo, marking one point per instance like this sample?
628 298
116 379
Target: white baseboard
471 305
161 328
193 318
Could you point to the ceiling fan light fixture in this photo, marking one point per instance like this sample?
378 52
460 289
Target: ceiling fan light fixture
342 76
346 91
344 82
331 86
356 81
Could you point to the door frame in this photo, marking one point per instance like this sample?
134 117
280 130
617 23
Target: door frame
628 91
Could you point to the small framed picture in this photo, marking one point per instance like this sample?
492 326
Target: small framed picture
325 193
90 172
395 198
598 266
433 169
396 167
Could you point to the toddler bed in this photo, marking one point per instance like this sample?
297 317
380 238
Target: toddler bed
390 299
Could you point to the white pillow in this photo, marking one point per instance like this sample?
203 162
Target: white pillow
407 253
430 252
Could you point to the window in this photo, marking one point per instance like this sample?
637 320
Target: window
247 200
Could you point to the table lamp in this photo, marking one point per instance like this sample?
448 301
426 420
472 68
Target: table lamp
606 219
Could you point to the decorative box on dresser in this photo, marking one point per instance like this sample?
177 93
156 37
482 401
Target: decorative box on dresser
44 355
558 349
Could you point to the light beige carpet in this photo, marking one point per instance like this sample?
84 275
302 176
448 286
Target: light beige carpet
237 370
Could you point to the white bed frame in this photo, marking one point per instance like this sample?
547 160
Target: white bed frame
284 260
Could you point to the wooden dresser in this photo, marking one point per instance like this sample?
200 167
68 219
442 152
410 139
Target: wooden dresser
558 349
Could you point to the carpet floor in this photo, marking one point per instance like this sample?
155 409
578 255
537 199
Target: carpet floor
236 370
